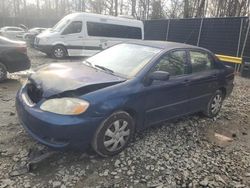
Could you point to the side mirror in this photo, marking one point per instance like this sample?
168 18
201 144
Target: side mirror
159 75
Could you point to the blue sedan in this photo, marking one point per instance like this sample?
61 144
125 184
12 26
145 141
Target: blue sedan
104 100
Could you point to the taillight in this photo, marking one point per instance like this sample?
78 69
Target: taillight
22 49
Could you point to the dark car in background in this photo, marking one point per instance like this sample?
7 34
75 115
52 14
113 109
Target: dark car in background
30 36
13 57
104 100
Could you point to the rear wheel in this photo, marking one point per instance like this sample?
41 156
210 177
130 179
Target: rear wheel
114 134
3 72
59 52
214 105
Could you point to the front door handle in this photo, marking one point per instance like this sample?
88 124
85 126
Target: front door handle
186 81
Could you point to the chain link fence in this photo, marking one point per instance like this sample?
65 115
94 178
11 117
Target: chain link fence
227 36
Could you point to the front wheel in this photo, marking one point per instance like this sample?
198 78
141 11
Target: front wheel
59 52
3 72
114 134
214 105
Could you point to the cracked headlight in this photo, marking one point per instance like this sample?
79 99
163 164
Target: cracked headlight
65 106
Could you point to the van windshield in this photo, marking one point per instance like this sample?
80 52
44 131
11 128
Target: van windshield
60 25
123 59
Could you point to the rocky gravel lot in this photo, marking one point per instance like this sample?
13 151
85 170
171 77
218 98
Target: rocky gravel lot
190 152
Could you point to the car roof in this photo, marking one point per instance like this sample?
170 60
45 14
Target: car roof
165 45
101 16
12 27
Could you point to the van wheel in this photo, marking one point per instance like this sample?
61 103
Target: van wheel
114 134
214 105
59 52
3 72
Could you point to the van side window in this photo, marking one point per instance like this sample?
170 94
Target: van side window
201 61
73 27
112 30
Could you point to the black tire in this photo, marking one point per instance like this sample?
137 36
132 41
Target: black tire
59 52
102 137
3 72
214 104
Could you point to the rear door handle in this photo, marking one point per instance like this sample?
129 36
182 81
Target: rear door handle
80 37
214 75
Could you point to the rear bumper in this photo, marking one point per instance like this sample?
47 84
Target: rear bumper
56 131
17 62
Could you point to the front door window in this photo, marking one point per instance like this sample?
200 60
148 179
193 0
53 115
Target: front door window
173 63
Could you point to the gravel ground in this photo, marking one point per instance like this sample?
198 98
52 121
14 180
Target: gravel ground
190 152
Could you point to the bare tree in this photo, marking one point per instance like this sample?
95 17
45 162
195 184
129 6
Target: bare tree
157 10
200 9
133 8
186 9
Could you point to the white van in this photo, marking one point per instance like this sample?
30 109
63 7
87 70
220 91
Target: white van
84 34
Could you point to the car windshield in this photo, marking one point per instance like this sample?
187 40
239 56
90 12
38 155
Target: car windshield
60 25
124 59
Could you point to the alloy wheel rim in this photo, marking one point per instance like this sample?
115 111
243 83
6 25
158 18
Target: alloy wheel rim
58 52
216 104
116 135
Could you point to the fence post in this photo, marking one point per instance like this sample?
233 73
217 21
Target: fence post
238 49
245 40
199 36
168 29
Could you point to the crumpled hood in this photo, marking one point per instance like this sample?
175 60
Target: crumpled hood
56 78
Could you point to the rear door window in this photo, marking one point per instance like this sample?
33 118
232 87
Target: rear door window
201 61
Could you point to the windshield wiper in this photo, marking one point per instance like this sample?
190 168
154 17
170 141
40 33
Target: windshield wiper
104 68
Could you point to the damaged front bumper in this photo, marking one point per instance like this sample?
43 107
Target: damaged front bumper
56 131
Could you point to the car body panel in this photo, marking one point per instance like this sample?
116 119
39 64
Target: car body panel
166 99
148 104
